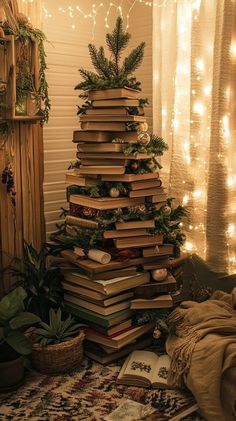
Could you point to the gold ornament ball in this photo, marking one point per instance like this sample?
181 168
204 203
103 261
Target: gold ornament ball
166 210
114 192
151 164
143 127
159 275
143 138
135 165
156 334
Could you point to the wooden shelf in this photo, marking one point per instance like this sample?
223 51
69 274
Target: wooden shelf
23 118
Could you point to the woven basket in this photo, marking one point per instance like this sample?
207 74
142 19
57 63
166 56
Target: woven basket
58 358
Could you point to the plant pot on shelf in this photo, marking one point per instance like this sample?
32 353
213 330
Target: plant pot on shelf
58 358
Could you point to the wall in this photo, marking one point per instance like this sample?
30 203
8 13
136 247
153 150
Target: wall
66 52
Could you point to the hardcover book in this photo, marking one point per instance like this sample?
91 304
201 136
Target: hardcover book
120 339
131 177
73 178
148 223
96 352
162 301
145 369
100 135
105 321
108 286
107 111
112 118
119 102
101 147
124 233
105 202
109 126
162 250
142 241
96 169
113 93
104 311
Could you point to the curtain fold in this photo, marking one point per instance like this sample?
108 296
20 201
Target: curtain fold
194 111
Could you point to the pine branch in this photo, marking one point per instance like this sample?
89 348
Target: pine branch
117 41
134 59
90 78
100 62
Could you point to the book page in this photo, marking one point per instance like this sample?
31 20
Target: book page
141 364
160 374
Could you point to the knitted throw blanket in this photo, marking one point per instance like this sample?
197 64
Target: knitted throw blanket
202 346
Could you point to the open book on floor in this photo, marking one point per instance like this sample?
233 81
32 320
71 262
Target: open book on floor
145 369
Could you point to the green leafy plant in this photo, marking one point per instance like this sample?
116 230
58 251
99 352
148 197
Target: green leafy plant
41 281
26 35
13 318
111 73
57 330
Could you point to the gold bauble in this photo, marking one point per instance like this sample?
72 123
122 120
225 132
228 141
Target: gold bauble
143 127
166 210
143 138
114 192
159 275
151 164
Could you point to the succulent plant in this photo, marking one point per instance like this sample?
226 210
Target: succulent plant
57 330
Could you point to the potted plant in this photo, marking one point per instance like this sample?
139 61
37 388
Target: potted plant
13 343
57 346
41 281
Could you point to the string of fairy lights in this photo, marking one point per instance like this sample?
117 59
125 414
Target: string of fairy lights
193 133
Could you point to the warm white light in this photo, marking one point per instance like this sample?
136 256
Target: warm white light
231 230
200 65
197 194
188 246
196 4
233 49
207 90
185 199
230 181
198 108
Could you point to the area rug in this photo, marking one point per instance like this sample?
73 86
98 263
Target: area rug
90 394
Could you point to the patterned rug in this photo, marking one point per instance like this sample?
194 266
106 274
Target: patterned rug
90 394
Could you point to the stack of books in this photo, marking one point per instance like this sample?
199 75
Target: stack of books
105 291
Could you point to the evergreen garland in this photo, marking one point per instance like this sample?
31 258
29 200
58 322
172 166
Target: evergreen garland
111 73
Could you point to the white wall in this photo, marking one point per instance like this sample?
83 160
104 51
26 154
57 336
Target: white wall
66 52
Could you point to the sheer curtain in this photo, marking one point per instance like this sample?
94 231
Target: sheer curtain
32 9
194 90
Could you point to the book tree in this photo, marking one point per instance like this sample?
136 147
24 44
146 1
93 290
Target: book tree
121 230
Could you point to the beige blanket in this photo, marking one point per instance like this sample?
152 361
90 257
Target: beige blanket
202 345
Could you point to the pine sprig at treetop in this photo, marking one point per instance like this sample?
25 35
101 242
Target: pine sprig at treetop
111 73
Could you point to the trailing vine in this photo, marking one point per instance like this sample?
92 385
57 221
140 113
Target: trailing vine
26 34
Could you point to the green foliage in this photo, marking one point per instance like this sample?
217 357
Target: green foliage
111 73
156 146
13 318
41 281
24 82
85 238
57 330
102 189
85 106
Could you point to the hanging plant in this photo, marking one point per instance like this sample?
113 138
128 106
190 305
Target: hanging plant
25 36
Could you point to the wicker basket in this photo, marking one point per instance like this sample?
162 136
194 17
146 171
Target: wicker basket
58 358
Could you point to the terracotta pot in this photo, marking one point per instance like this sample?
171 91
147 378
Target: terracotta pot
12 374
